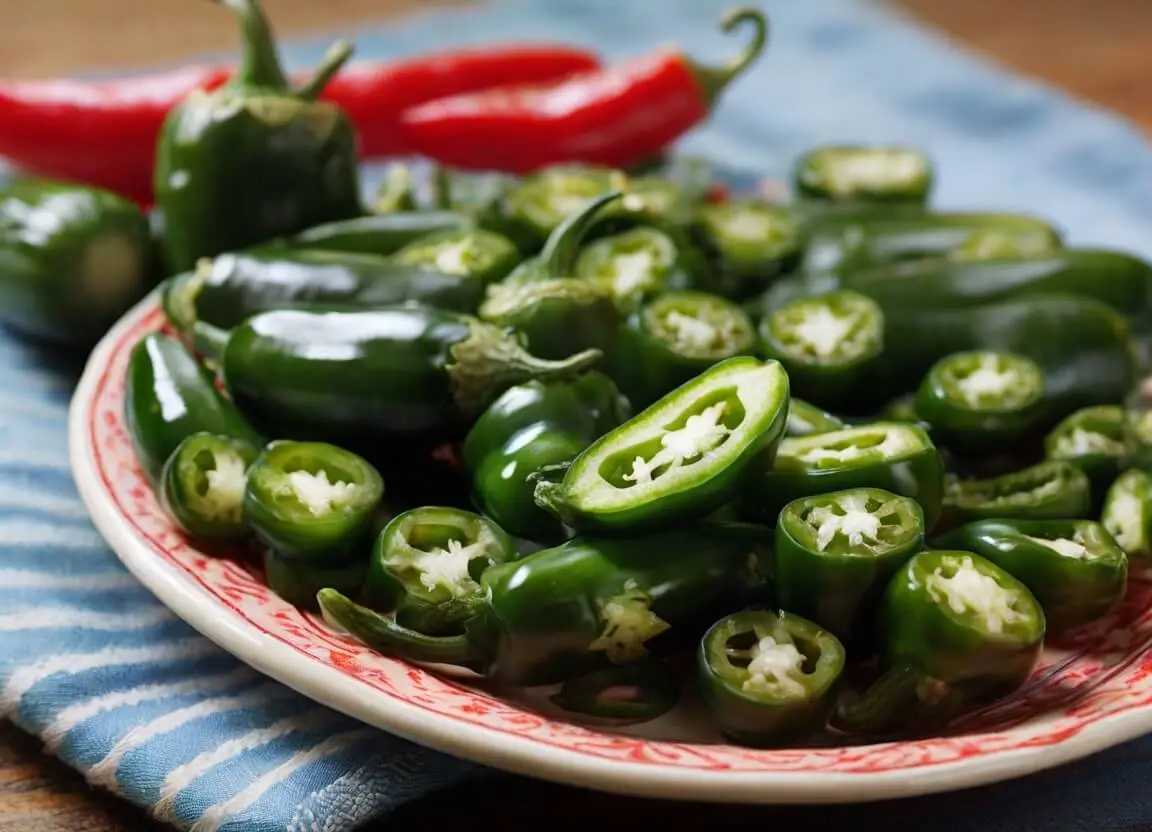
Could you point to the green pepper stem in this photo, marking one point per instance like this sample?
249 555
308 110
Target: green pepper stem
334 60
563 244
260 65
714 79
881 707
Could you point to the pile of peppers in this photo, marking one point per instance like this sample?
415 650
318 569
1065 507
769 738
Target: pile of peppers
842 463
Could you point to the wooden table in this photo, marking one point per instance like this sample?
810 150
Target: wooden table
1097 50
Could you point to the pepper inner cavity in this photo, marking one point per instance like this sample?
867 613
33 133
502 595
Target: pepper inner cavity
959 584
440 555
220 478
992 381
773 661
628 623
849 522
824 333
706 331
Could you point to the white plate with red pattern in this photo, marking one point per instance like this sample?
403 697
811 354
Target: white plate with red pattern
1088 694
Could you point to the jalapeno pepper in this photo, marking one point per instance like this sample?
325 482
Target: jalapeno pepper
1053 489
863 174
202 486
682 458
426 566
168 396
836 552
634 266
396 192
466 252
829 344
903 409
590 603
805 419
311 501
379 234
893 456
982 400
753 243
768 678
959 632
297 582
1095 439
1138 435
674 338
1073 567
1127 515
398 370
539 203
623 694
1001 244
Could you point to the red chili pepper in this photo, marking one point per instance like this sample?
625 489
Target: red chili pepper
616 117
104 133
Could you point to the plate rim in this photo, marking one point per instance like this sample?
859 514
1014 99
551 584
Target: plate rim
329 686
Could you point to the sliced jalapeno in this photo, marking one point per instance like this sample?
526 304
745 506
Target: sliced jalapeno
769 678
829 344
397 191
633 266
1004 242
466 252
805 419
836 552
682 458
554 316
639 691
202 486
298 582
1052 489
982 400
312 501
843 173
540 202
753 243
1096 440
1138 436
893 456
1127 516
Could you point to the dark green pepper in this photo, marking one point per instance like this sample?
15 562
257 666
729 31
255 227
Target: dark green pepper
682 458
254 159
639 691
473 253
169 396
587 604
1138 434
297 582
864 174
1053 490
894 456
769 679
312 502
1096 439
202 486
1003 244
1127 515
805 419
634 266
379 234
426 566
752 244
959 632
829 344
1073 567
836 552
536 206
902 409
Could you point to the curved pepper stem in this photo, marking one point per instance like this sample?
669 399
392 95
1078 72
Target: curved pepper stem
714 79
563 244
334 60
260 65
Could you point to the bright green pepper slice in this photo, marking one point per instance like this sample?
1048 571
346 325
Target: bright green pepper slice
202 486
768 678
540 203
1095 439
682 458
633 266
1138 435
836 552
864 174
1052 489
805 419
639 691
466 252
959 632
830 345
397 191
297 582
1000 243
753 243
312 501
1127 515
1073 567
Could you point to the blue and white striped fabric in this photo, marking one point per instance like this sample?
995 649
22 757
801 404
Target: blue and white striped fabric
127 694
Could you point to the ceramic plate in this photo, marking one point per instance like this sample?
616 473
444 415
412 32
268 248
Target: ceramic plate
1092 692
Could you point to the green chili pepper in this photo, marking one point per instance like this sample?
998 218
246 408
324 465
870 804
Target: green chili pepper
1073 567
829 344
426 566
753 243
311 501
1138 435
675 337
893 456
1055 490
202 486
982 400
959 632
769 679
397 191
467 252
541 201
863 174
1095 439
836 552
634 266
591 602
626 693
805 419
682 458
169 396
1127 515
297 582
903 409
1000 244
399 370
379 234
254 159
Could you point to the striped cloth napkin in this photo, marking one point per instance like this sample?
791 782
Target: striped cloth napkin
143 706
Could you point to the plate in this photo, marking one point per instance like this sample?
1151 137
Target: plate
1089 693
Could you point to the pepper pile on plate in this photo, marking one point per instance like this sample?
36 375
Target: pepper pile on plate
572 426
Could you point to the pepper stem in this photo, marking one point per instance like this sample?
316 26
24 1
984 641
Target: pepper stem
260 65
563 244
334 60
714 79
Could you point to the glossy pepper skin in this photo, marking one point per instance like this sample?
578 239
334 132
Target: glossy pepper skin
73 260
380 234
864 174
1096 440
623 694
426 564
404 370
297 582
785 700
169 396
587 604
681 459
1047 490
255 158
750 244
1127 515
836 552
894 456
530 427
805 419
958 632
312 502
202 486
1073 567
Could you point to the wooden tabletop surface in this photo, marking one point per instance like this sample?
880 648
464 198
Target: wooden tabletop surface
1096 50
